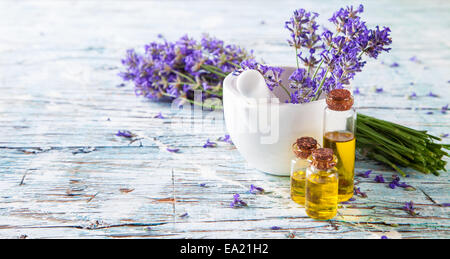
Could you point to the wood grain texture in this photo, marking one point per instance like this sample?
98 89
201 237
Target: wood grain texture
59 93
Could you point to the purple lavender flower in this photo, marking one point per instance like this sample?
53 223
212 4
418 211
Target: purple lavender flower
384 237
209 144
429 113
409 207
275 228
125 134
445 204
444 109
170 70
395 64
237 202
173 150
255 189
365 174
379 90
379 179
413 59
357 191
184 215
431 94
396 183
202 185
412 95
356 91
226 139
444 135
159 116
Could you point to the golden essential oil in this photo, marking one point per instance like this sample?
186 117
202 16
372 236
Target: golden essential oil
302 148
322 194
343 145
298 187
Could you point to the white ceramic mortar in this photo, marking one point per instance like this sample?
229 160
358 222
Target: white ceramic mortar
287 122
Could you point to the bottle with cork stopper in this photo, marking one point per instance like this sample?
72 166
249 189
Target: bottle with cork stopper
339 135
322 182
302 149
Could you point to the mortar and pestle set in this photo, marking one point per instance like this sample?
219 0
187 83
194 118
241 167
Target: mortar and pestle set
263 125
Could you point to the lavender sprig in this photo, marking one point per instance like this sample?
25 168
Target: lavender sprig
170 70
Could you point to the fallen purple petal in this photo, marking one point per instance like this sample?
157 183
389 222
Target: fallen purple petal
237 202
275 228
395 64
431 94
173 150
159 116
357 191
255 189
226 139
444 109
125 134
356 91
409 207
366 174
379 179
209 144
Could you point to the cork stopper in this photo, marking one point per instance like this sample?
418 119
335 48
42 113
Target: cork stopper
340 100
323 158
304 146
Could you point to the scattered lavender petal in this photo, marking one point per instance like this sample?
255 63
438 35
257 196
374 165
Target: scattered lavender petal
255 189
159 116
395 64
357 191
379 90
444 135
379 179
409 207
431 94
125 134
209 144
173 150
275 228
226 139
237 202
366 174
444 109
184 215
384 237
356 91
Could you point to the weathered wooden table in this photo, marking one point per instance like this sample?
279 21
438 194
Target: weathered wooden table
59 93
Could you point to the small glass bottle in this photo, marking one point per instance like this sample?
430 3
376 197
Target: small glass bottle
339 135
322 181
302 149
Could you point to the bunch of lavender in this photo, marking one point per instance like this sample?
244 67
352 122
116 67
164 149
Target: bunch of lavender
170 70
329 60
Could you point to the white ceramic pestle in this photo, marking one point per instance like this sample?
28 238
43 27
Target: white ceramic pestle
252 84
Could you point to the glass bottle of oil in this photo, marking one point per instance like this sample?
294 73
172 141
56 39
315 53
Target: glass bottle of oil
339 135
302 149
322 181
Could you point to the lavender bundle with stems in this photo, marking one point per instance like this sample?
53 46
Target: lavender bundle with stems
325 61
171 70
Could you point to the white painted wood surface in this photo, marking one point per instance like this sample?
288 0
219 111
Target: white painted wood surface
58 92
